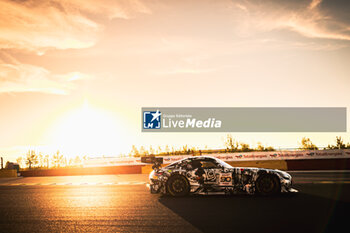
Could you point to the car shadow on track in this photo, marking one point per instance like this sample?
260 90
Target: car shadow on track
300 212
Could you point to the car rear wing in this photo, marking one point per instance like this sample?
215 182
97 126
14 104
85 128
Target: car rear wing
156 161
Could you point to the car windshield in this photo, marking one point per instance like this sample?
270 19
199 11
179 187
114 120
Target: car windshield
224 164
208 164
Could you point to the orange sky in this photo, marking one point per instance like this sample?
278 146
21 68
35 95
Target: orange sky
62 59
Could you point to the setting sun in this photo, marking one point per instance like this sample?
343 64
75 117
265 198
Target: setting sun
88 131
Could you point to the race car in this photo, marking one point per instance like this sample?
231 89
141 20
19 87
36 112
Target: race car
209 175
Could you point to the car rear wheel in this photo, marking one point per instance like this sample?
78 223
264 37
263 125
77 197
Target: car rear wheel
268 185
178 186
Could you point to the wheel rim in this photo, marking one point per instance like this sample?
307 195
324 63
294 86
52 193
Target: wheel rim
267 185
178 186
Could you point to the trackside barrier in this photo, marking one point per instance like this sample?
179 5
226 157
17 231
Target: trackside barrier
317 164
8 173
283 160
271 164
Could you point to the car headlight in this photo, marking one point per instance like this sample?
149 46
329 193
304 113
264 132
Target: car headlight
285 175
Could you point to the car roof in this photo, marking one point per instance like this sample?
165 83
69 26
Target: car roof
196 158
203 157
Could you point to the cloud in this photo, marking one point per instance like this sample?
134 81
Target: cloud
18 77
314 3
306 18
36 25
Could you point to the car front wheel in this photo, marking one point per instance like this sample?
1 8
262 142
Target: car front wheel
268 185
178 186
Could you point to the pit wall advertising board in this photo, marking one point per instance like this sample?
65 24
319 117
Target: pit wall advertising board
230 157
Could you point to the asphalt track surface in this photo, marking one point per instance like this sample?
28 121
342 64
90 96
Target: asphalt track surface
122 203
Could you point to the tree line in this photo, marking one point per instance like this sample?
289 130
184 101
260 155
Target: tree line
306 144
33 159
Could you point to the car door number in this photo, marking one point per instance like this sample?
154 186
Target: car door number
226 179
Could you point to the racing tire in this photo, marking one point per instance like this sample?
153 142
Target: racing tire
178 186
268 184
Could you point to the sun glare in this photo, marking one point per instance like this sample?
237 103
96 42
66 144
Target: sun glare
89 131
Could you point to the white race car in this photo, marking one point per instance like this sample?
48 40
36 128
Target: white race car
204 175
